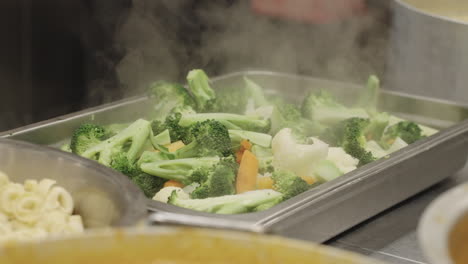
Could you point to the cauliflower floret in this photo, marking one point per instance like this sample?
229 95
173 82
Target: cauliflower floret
342 160
295 157
164 193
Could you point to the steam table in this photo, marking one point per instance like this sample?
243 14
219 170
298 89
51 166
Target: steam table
391 236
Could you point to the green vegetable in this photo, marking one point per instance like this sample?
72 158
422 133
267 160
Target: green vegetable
130 141
199 85
168 97
231 121
180 170
368 99
350 134
256 138
288 183
409 131
264 157
85 137
205 139
322 107
217 180
229 204
326 170
149 184
287 115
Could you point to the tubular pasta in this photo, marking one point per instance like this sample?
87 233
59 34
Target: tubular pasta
59 198
34 210
44 186
30 185
28 208
10 194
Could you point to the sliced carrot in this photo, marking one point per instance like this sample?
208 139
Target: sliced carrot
173 184
175 146
246 145
247 174
309 179
239 156
264 183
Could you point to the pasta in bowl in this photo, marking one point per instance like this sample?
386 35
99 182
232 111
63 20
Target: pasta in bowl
46 192
35 209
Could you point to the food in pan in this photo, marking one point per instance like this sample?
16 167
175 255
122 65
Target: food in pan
243 150
35 209
458 241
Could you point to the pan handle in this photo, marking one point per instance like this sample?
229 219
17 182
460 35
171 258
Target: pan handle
166 218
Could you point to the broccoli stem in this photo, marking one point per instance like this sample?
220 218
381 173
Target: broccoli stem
231 121
179 169
137 133
260 139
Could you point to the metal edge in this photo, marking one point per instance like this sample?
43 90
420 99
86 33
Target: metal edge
138 211
427 14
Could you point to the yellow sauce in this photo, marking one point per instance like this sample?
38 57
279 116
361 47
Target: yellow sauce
458 241
455 9
180 247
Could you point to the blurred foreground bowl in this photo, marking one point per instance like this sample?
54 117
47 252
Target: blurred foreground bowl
443 228
102 196
176 245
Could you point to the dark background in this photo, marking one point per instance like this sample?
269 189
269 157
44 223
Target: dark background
57 57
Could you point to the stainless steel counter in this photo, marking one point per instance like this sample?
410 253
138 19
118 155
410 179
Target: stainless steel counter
391 235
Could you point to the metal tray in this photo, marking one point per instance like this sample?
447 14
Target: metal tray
329 209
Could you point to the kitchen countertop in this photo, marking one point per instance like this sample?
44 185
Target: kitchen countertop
391 236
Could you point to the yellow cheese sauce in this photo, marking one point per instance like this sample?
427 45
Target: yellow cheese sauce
182 246
458 241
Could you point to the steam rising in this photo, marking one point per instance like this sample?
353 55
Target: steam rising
165 39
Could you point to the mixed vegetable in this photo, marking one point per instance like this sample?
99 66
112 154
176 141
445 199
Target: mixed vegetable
241 150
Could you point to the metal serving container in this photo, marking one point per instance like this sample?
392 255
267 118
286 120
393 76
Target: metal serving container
331 208
428 52
101 196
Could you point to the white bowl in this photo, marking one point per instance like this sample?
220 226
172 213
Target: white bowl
437 221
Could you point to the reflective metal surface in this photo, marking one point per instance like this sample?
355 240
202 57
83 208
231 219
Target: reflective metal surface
391 236
428 52
331 208
101 196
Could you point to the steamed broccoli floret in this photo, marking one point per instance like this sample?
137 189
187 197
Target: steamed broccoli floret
206 139
256 94
376 127
171 123
369 96
289 115
168 96
121 163
322 107
231 121
216 181
409 131
288 183
199 85
130 141
229 204
114 129
85 137
256 138
350 135
180 170
231 100
149 184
